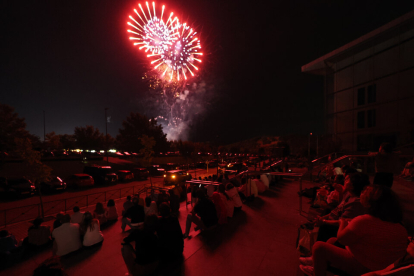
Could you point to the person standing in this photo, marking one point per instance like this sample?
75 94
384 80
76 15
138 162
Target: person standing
385 165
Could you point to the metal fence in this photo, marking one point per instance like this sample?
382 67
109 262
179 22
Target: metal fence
51 208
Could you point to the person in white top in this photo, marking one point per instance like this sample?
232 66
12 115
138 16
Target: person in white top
90 230
150 207
67 237
233 194
77 215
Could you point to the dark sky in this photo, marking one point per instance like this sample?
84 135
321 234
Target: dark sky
73 58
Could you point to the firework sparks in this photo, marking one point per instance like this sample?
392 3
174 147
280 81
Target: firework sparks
173 47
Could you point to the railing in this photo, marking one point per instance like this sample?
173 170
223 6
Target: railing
51 208
366 163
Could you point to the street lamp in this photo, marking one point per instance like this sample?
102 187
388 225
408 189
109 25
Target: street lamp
310 134
106 135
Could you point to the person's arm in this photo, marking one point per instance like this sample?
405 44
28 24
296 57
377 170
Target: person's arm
345 234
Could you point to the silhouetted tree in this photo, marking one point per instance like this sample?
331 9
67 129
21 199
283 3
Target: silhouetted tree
134 127
89 138
32 168
11 127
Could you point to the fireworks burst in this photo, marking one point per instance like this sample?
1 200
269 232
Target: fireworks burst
173 47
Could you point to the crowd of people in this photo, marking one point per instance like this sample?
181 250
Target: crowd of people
364 234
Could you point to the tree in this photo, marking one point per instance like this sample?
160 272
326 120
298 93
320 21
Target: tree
68 141
134 127
148 144
52 141
89 138
34 169
11 127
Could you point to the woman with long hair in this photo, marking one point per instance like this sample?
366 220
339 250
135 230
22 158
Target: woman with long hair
90 230
100 213
111 211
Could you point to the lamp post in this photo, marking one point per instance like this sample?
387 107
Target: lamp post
310 134
106 135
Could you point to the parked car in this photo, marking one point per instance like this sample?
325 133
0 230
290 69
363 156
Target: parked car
101 174
16 186
156 170
80 180
124 175
176 176
54 184
140 173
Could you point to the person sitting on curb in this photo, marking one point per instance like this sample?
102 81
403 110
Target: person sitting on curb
90 230
38 235
203 215
134 217
170 235
144 259
67 237
127 204
111 211
77 215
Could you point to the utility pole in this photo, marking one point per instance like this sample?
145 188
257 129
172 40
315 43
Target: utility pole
310 134
106 135
44 126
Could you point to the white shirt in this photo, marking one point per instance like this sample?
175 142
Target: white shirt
234 195
94 236
67 238
76 217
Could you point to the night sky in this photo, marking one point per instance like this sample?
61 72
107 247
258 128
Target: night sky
72 59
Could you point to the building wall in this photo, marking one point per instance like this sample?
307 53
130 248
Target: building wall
371 97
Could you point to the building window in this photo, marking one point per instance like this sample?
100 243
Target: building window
372 93
371 118
361 96
361 119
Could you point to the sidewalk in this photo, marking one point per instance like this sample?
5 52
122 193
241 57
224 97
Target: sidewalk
259 241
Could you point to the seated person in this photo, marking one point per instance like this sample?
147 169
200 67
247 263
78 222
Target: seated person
58 220
169 234
175 199
249 188
76 216
226 200
349 208
67 237
127 204
203 215
221 208
143 260
100 213
233 194
404 264
163 197
111 211
38 234
408 171
210 190
261 187
372 241
90 230
8 243
134 217
150 207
